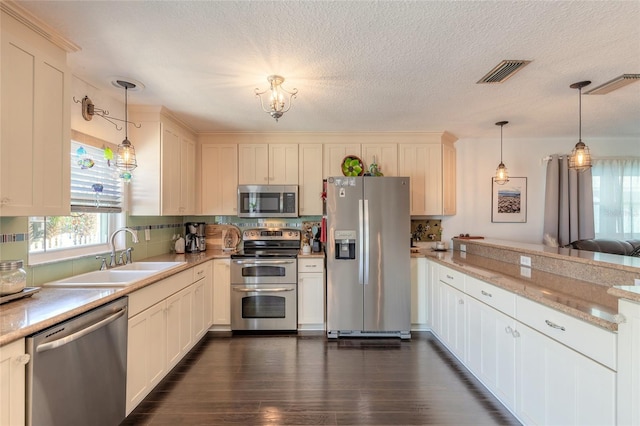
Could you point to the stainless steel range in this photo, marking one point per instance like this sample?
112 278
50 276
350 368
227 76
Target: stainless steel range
264 281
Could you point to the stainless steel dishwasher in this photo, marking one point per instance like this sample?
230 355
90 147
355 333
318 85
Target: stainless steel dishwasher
77 372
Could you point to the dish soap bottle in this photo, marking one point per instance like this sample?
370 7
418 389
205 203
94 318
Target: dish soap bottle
179 245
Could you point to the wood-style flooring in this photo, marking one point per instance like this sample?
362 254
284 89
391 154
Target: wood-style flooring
309 380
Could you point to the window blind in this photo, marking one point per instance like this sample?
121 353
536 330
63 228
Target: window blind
96 186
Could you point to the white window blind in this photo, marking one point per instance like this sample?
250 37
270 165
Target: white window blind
96 186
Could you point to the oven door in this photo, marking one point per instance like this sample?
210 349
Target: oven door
264 271
264 307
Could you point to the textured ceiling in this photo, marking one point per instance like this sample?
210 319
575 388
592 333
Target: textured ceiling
364 65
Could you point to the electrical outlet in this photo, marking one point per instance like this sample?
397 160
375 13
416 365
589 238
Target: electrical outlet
525 272
147 234
636 281
463 247
525 261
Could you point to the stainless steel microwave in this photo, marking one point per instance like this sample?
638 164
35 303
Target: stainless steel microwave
267 200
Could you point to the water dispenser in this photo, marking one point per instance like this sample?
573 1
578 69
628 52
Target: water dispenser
345 244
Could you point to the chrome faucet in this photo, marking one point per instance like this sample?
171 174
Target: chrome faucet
112 245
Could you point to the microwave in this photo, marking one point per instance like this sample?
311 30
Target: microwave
267 200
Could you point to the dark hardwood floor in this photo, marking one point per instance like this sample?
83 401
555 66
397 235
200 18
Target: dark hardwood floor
308 380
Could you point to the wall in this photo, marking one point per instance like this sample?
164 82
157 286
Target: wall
477 160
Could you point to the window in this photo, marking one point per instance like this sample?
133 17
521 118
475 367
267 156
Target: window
616 198
96 204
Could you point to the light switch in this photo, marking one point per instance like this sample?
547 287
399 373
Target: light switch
147 234
525 261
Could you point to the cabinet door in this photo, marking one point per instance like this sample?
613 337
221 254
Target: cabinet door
171 166
435 303
491 353
12 383
173 331
419 297
311 301
557 385
423 164
310 179
221 293
333 156
386 155
253 164
283 164
35 131
448 180
187 176
197 318
219 166
453 320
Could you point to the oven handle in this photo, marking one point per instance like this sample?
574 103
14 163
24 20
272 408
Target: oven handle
263 262
260 290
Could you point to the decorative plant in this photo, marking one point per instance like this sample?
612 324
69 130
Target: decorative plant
352 166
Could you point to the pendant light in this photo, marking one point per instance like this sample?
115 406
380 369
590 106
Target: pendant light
502 176
580 159
277 99
126 157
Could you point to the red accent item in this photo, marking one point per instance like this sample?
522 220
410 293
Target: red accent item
323 230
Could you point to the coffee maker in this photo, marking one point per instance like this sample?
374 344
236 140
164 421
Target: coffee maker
195 237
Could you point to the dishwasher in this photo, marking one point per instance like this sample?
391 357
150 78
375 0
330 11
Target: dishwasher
77 372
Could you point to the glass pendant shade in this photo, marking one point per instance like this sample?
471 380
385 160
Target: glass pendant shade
126 156
277 100
580 158
502 175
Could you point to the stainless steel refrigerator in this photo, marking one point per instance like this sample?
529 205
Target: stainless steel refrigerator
368 271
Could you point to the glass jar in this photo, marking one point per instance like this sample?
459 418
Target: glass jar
13 278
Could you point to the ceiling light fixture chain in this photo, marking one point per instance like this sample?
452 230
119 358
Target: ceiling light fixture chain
279 99
502 175
580 158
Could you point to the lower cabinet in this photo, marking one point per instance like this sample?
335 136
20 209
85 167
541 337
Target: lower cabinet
166 319
628 365
221 294
12 383
542 377
419 297
311 297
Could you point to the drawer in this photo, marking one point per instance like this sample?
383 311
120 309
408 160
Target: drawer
452 277
496 297
310 265
590 340
200 271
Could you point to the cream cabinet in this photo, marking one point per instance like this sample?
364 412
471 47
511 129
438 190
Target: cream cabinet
202 299
385 155
166 319
12 383
432 178
628 355
219 179
311 294
333 156
419 294
164 183
221 294
35 126
310 179
273 164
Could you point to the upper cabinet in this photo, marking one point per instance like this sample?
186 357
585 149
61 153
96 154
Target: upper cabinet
219 179
310 179
164 183
268 164
35 135
333 156
385 155
432 169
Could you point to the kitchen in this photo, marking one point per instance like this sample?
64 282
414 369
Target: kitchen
477 147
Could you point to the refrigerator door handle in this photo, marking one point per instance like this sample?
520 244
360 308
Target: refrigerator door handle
365 247
360 242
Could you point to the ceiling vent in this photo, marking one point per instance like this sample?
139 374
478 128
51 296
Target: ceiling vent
503 71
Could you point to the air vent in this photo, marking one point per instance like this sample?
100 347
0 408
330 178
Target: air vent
503 71
614 84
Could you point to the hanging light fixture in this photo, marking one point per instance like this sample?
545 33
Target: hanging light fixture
126 157
580 159
279 100
502 176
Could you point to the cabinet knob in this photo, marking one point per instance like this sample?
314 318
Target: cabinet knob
461 302
484 293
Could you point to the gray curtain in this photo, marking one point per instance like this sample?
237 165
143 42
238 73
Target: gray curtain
568 209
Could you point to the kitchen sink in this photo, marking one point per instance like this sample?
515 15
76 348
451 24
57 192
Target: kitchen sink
106 278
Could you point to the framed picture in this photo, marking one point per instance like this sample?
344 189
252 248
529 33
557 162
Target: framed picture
509 201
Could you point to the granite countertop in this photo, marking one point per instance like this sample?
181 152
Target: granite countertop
587 301
51 305
626 292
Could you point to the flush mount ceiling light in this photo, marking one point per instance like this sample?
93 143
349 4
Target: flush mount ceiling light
279 99
502 176
503 71
580 159
614 84
126 158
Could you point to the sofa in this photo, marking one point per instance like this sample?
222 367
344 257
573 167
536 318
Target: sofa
626 248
